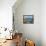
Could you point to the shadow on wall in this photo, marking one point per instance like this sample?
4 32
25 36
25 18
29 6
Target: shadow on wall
37 41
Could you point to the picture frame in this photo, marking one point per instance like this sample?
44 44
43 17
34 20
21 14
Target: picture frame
28 19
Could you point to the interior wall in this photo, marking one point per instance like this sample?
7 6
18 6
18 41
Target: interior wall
30 31
43 22
6 13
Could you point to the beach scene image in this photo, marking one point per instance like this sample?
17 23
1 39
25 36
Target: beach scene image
28 19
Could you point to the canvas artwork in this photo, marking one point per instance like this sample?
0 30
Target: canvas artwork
28 19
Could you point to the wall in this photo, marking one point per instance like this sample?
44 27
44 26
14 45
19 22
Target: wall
6 13
43 22
30 31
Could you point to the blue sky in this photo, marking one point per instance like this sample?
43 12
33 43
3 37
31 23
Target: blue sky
27 16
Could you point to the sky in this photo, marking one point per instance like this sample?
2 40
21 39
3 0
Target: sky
29 16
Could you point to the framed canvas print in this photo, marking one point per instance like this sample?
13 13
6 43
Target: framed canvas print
28 19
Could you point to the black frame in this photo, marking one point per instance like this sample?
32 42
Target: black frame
29 19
